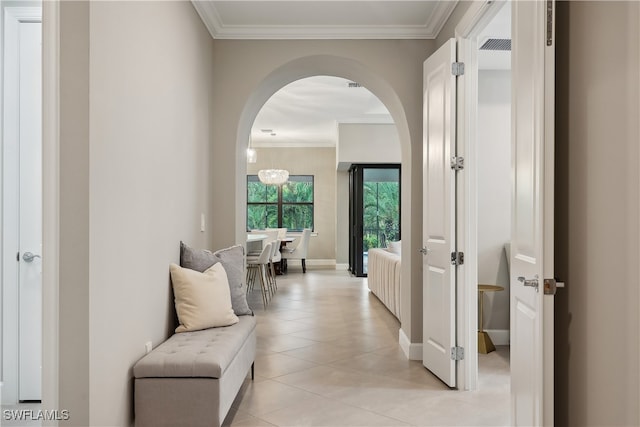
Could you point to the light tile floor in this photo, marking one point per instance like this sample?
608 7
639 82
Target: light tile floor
328 355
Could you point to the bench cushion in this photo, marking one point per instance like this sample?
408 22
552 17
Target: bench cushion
204 354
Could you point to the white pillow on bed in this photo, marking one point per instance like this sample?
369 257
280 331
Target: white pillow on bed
395 247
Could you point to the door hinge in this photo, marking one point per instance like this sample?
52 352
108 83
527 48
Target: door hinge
457 258
18 256
457 353
457 68
457 163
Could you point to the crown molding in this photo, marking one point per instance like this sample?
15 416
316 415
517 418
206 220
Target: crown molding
443 11
218 30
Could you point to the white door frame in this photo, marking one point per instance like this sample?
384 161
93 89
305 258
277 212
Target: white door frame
475 19
13 16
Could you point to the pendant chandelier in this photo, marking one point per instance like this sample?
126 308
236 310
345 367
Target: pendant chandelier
273 176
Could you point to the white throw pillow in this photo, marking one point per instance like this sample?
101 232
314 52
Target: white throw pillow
202 300
395 247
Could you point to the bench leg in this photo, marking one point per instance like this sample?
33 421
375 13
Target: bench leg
252 373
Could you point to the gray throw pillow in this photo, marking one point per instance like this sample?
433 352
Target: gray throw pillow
232 259
196 259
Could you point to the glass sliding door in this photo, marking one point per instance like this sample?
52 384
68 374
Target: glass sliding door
374 211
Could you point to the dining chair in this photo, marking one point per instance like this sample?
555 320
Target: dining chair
276 257
298 249
282 233
257 266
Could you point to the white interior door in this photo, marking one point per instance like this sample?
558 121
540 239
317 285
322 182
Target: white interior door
22 205
532 214
439 279
30 273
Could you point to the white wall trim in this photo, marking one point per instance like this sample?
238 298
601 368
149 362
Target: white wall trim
467 30
413 351
50 203
340 266
477 16
499 336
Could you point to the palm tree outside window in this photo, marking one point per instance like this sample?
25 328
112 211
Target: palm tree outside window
287 206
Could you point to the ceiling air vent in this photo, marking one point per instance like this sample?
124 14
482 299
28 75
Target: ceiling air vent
496 44
354 84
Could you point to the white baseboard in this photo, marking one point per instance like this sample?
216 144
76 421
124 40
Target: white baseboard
499 336
413 351
329 264
342 266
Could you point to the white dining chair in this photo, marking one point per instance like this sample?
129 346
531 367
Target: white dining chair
298 249
257 265
276 257
282 233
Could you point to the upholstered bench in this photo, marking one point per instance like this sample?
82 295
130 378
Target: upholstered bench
192 378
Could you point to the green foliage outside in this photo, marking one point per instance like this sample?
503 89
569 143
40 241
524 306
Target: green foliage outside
297 192
262 216
297 217
296 204
381 219
257 192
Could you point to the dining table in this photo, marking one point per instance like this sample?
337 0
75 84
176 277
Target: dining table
254 245
281 268
254 242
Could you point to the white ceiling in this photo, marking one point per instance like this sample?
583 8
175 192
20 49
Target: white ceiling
307 113
308 19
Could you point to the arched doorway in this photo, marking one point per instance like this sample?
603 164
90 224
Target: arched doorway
347 68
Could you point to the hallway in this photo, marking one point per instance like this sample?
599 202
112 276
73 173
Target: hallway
328 355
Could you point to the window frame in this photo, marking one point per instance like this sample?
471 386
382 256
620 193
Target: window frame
279 203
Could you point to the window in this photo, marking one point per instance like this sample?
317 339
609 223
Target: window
289 205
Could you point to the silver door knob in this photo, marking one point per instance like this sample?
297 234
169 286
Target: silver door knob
529 282
29 257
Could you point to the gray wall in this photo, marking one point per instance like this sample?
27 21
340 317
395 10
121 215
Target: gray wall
367 143
74 304
597 213
135 92
319 162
